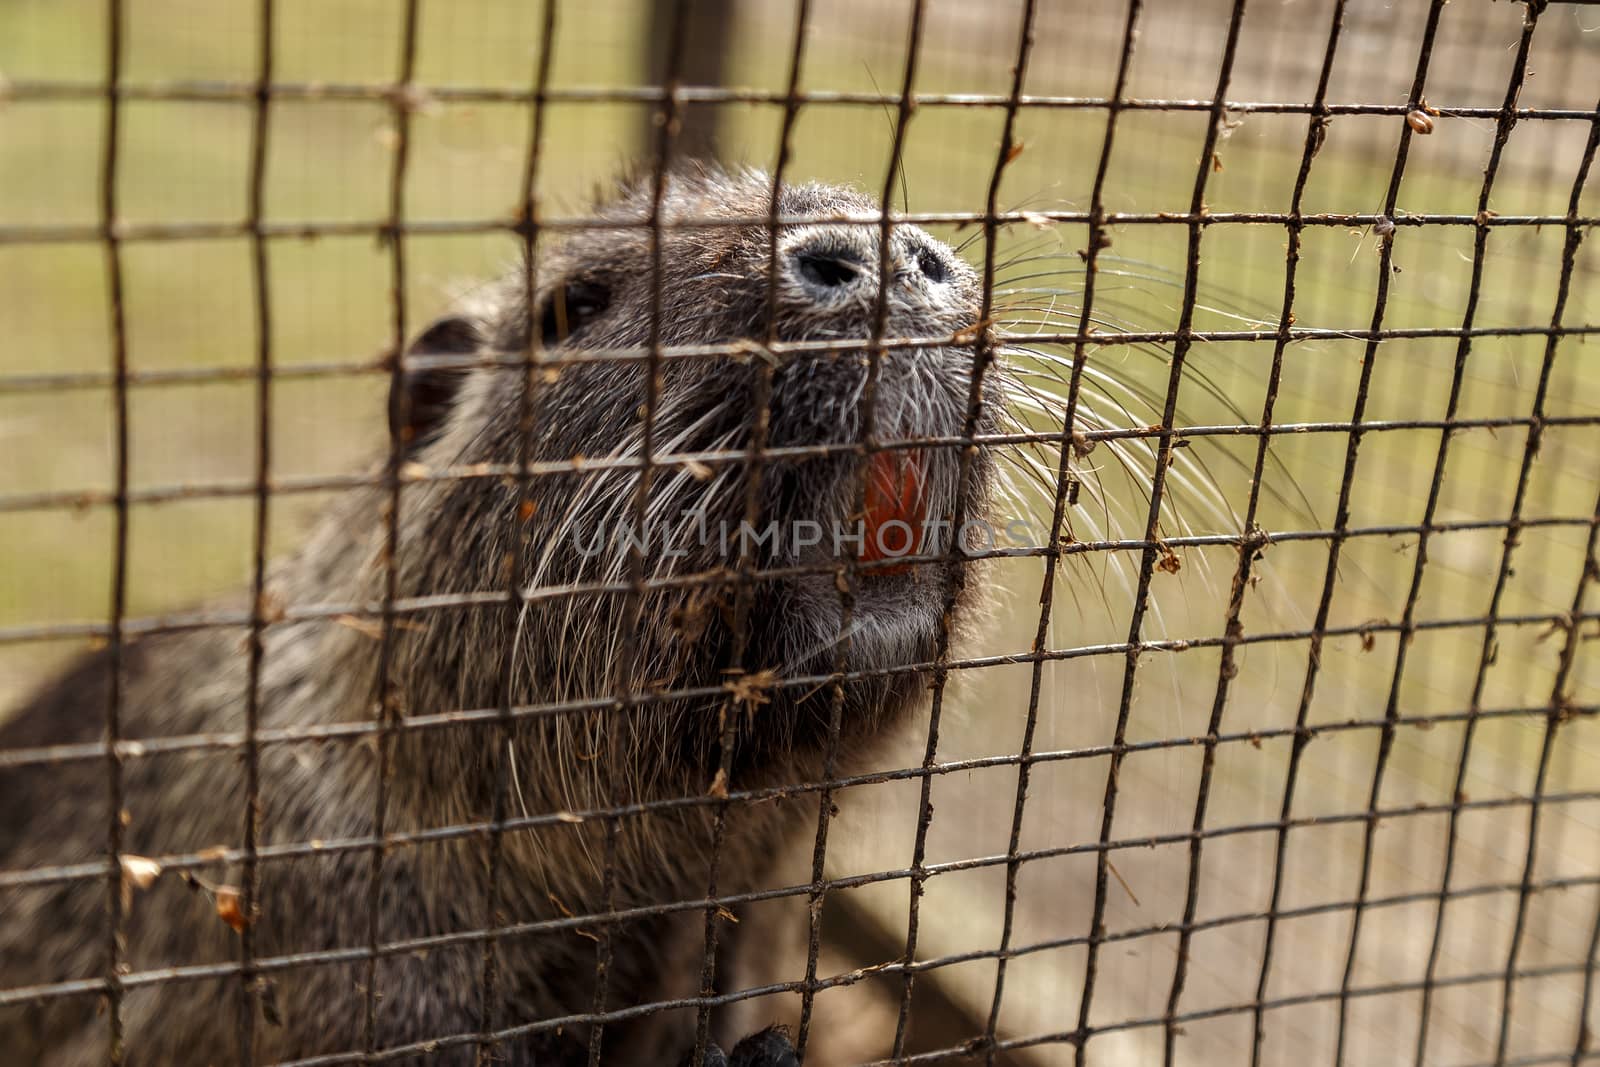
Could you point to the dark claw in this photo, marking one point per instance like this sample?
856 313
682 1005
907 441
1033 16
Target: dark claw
712 1057
767 1048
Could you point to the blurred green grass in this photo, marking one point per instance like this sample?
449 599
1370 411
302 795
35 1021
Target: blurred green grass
189 305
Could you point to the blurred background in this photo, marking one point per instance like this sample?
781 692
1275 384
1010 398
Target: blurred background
189 308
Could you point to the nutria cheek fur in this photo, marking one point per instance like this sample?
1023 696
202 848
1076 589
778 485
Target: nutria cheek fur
457 536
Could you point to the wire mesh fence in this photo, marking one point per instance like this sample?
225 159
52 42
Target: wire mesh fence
1267 397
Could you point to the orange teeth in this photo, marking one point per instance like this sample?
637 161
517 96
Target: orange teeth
896 494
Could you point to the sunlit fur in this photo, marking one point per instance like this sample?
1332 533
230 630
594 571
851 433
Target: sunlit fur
477 535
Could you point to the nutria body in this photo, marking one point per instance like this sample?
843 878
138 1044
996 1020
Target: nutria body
458 536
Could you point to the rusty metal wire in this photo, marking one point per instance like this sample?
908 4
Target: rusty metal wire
529 398
119 578
250 867
1316 130
385 725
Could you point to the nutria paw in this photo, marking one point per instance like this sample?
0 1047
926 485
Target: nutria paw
766 1048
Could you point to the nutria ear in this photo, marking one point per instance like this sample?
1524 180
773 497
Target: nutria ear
419 407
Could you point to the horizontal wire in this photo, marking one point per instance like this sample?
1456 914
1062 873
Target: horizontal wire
357 611
1066 1037
427 943
79 500
1294 1000
745 350
421 97
65 873
133 231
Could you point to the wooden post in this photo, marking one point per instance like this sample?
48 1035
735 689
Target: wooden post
710 33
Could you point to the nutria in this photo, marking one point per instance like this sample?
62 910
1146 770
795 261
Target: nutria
601 638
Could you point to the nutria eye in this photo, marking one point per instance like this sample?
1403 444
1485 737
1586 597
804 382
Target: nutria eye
932 266
572 307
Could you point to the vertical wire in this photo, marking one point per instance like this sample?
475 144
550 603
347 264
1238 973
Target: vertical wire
250 890
1342 522
1316 133
876 349
1474 704
1096 242
1250 548
388 709
527 410
954 564
847 578
1152 544
1063 482
819 849
1559 711
603 948
1303 734
671 119
1580 1048
754 469
111 239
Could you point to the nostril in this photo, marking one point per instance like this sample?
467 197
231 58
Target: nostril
824 271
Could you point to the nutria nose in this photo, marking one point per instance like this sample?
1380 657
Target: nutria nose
835 264
822 270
